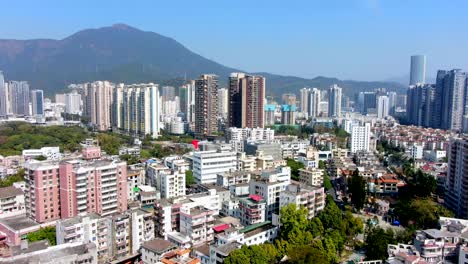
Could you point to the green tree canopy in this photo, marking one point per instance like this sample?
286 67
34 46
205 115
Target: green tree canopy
357 188
43 233
295 167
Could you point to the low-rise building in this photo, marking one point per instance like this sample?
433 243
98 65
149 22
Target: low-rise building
252 210
152 251
311 176
312 198
11 202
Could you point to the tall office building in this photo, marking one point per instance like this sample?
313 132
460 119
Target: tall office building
37 102
305 94
314 102
392 101
73 103
18 93
183 97
98 104
246 100
451 99
223 102
206 106
136 109
3 97
420 107
383 106
456 184
368 103
418 69
334 101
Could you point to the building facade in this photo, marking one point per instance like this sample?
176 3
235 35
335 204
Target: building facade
334 101
246 101
206 106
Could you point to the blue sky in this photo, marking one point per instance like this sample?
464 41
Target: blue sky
349 39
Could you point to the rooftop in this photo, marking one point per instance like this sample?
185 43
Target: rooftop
158 245
9 191
18 222
226 249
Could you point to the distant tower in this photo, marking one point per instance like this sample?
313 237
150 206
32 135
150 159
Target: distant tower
37 100
334 101
3 96
305 101
418 69
314 103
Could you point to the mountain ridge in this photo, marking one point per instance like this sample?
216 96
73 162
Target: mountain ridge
121 53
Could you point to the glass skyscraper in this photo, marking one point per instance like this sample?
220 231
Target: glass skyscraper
418 69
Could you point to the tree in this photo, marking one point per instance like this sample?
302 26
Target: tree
294 223
326 181
109 143
420 213
9 180
189 179
376 243
255 254
295 167
307 254
357 188
43 233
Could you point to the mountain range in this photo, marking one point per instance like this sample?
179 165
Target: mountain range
121 53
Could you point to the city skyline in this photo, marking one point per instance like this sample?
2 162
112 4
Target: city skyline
308 47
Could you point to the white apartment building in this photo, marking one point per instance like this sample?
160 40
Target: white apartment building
251 134
11 202
136 109
360 138
269 186
208 164
169 182
142 228
311 176
51 153
416 152
172 184
312 198
233 178
177 163
89 227
197 223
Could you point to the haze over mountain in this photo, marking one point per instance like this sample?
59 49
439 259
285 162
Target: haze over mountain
121 53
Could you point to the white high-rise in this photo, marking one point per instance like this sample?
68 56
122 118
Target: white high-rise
360 138
334 101
305 101
98 104
73 103
136 109
223 102
383 106
3 96
314 102
18 97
